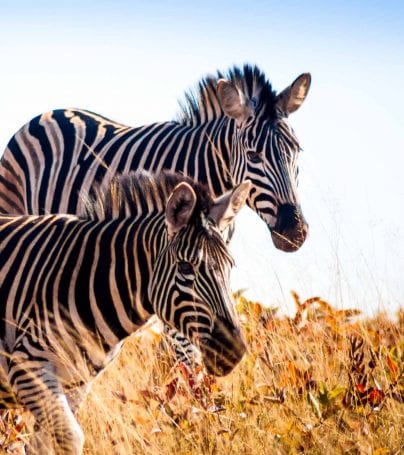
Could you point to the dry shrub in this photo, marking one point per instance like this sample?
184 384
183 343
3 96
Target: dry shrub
321 382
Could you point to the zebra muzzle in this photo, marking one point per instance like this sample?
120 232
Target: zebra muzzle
290 230
223 349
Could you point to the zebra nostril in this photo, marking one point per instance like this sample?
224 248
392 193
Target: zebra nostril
288 217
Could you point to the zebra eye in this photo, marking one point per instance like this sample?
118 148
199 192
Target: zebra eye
185 268
254 157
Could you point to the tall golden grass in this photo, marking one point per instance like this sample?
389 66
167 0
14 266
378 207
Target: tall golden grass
322 382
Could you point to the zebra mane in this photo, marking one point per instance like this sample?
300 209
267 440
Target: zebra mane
139 193
202 104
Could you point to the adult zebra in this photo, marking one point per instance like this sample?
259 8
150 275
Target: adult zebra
234 127
72 288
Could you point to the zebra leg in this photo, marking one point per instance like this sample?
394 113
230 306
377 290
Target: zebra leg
76 396
7 397
38 389
183 350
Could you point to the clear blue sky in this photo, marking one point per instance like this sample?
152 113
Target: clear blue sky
131 61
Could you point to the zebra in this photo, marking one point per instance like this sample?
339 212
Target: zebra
233 127
73 288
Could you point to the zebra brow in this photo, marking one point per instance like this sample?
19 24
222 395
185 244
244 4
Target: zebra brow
287 135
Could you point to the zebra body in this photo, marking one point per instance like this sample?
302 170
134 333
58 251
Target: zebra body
72 288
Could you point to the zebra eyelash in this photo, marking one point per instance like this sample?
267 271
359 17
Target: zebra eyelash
254 156
186 268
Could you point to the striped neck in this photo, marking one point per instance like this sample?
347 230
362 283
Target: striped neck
210 161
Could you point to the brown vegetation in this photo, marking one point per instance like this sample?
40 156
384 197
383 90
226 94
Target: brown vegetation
321 382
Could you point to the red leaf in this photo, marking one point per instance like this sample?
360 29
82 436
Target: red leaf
121 396
187 374
376 396
208 381
171 389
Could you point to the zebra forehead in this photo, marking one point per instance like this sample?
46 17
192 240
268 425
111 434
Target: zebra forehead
214 249
198 243
202 103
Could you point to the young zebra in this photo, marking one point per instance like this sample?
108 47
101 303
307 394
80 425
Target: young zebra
72 288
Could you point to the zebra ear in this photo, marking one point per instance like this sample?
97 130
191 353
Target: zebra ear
226 206
290 99
180 206
233 102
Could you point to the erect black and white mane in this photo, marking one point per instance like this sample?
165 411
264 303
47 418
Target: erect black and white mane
202 103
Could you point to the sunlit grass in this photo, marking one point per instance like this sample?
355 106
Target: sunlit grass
321 382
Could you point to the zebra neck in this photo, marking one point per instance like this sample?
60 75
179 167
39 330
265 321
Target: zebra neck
201 152
149 243
145 239
115 272
209 159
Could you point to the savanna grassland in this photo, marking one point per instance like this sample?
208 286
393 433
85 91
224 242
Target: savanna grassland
323 382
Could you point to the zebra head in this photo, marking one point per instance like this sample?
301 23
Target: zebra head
190 284
265 149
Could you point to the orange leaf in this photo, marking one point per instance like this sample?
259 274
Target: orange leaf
149 395
392 366
360 388
293 373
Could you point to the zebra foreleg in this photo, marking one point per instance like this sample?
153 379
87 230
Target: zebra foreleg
37 388
76 396
182 349
7 397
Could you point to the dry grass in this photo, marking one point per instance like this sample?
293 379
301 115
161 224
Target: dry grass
318 383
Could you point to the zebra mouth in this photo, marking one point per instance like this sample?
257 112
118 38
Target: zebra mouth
290 230
288 242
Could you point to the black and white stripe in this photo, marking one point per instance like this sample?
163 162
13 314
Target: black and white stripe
73 288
